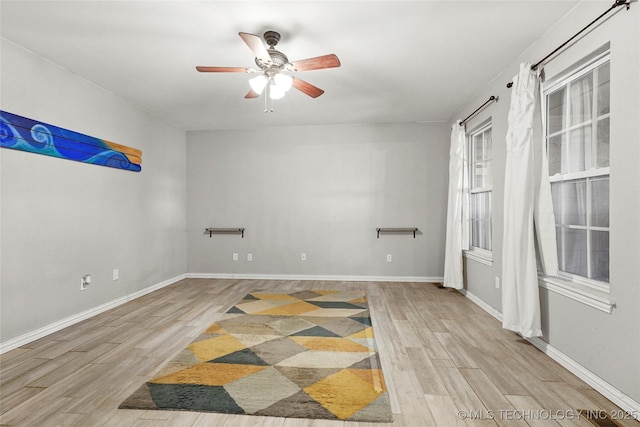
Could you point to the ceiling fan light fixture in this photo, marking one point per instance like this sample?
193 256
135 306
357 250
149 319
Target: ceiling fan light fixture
283 81
258 83
275 91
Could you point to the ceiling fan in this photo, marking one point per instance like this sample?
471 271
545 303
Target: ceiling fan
272 63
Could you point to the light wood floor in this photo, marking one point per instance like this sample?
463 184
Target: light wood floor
440 354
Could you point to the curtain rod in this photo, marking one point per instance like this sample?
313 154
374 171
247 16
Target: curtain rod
613 6
492 98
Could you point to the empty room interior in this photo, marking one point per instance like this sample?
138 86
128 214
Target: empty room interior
455 181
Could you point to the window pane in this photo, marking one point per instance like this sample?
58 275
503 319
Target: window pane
556 198
555 111
600 255
487 157
475 236
477 220
478 176
560 242
477 148
603 89
486 244
578 140
478 164
602 150
556 148
573 209
575 251
581 95
599 216
481 220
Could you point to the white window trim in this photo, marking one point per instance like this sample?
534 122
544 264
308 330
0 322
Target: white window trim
475 253
576 291
591 293
571 176
482 256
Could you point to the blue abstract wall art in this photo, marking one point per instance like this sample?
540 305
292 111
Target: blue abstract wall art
24 134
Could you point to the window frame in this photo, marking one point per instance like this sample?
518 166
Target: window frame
567 280
477 253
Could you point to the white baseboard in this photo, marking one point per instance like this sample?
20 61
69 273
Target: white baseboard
72 320
480 303
76 318
601 386
607 390
327 277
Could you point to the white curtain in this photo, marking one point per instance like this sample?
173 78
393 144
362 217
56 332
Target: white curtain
520 295
457 237
543 214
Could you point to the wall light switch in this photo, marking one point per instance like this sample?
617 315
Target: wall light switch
249 257
235 256
389 258
497 282
303 256
116 274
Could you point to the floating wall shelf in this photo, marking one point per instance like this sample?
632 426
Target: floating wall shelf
213 231
397 230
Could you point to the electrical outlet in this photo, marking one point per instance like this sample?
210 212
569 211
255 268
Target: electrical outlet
116 274
497 282
389 258
249 257
303 256
235 256
85 281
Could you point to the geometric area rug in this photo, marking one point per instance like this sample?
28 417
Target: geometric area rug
298 354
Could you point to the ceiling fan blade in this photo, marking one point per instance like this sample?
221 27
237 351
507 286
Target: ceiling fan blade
203 69
251 94
306 88
257 47
317 63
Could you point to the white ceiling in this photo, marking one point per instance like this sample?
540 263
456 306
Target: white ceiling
402 61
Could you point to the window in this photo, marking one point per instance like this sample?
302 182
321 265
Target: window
480 189
577 137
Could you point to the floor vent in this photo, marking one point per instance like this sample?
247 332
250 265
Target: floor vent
598 418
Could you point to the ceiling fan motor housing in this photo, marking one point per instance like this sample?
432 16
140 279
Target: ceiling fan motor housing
272 38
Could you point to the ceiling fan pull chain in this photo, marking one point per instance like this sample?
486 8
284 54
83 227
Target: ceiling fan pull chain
266 93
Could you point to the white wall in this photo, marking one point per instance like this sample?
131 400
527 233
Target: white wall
63 219
321 190
606 345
